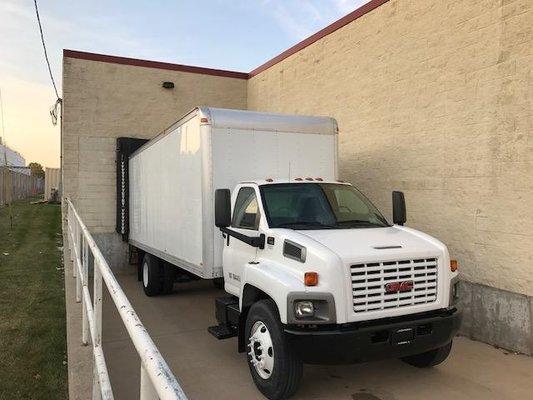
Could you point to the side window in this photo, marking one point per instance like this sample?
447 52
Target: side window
246 212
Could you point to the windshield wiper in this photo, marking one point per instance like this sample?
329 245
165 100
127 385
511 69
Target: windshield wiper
305 223
360 221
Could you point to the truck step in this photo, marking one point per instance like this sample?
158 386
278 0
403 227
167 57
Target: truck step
222 331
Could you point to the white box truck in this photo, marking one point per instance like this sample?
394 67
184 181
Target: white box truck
314 273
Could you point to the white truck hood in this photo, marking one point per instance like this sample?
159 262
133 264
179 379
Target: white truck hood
375 243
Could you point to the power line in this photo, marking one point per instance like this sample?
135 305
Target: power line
44 48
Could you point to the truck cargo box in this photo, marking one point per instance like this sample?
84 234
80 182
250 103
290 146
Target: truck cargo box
173 177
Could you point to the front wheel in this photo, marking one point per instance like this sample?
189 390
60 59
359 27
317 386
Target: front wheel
275 369
429 358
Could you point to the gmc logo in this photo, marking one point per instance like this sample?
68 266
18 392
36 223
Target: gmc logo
393 287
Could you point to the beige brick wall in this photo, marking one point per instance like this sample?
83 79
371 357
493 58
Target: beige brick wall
103 101
433 98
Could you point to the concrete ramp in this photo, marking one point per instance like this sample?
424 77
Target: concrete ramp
212 369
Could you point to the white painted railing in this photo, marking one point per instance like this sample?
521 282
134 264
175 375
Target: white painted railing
157 380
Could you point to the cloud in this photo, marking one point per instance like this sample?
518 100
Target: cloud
301 18
21 53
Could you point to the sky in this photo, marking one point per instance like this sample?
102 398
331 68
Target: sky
227 34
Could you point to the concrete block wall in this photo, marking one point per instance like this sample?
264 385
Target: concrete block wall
435 98
105 100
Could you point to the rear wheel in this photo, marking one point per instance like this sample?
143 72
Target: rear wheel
151 275
168 278
275 369
429 358
140 259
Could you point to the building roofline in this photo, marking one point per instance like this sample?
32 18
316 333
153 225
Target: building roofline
358 13
152 64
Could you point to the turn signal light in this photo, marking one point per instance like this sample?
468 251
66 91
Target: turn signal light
311 279
454 265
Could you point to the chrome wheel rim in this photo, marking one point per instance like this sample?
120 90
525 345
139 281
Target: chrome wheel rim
145 274
261 350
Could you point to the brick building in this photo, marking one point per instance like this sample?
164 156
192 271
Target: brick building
432 97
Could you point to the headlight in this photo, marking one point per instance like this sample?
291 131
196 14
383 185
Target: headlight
304 309
310 308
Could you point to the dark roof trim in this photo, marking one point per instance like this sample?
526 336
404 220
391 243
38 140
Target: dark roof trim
364 9
153 64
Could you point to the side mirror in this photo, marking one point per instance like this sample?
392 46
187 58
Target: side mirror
398 208
222 208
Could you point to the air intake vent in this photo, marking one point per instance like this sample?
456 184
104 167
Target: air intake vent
294 251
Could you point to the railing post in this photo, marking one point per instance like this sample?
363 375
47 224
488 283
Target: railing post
77 260
97 318
97 303
84 279
147 389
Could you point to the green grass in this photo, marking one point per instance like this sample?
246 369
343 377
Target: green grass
32 304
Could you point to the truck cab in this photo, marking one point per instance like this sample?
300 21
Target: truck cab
316 274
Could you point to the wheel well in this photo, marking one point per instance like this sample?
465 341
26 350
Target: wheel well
250 295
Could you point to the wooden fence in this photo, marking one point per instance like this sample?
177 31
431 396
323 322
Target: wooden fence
15 185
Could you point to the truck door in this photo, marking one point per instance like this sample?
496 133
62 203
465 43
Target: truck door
237 254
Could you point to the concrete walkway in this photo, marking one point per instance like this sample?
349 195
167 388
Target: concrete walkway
211 369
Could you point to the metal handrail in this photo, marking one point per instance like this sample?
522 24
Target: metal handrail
157 380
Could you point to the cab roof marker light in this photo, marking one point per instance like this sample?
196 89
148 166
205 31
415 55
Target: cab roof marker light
204 120
269 180
319 179
298 179
308 179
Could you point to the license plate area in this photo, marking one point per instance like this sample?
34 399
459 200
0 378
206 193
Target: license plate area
402 336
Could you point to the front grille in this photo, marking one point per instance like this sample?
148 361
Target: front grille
369 281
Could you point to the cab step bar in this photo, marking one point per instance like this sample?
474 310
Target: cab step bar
227 313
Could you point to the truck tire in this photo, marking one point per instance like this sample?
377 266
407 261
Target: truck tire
140 258
275 369
429 358
168 278
151 270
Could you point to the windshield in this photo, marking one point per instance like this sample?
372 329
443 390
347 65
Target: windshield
318 206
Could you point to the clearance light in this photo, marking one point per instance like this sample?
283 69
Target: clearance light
311 279
454 265
269 180
204 120
298 179
319 179
308 179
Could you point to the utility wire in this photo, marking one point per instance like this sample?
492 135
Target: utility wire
44 48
